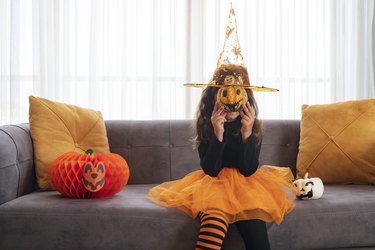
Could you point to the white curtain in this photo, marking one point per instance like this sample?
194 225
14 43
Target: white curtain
352 70
130 58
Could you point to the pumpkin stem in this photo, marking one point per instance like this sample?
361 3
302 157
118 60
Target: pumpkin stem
89 151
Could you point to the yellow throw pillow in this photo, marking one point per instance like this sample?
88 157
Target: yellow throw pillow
337 142
57 128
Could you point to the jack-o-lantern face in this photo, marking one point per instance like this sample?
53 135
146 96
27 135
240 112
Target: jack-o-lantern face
232 81
309 188
232 97
93 176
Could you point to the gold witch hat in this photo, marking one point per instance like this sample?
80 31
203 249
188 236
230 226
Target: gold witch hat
231 55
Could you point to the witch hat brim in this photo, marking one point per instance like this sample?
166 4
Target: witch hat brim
253 88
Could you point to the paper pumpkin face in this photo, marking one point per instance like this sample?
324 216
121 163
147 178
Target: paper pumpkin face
309 188
93 176
232 97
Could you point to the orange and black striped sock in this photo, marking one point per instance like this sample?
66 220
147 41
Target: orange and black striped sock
214 227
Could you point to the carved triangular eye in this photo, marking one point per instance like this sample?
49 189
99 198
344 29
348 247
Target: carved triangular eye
88 167
100 167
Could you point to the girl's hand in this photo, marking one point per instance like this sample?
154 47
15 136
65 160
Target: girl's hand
217 120
248 118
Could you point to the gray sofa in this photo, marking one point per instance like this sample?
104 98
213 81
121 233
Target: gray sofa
159 151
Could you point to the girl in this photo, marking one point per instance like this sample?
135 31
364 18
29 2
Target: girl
230 188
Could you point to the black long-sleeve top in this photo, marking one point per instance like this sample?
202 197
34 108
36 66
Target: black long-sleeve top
231 153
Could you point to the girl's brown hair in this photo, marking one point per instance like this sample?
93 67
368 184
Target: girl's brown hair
203 125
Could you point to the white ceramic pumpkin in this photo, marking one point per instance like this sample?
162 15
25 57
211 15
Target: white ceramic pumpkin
309 188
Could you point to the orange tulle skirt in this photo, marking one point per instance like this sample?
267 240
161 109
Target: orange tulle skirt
268 194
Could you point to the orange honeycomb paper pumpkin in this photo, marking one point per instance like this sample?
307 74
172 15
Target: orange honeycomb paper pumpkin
89 175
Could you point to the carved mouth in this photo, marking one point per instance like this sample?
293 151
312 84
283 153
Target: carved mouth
233 107
308 195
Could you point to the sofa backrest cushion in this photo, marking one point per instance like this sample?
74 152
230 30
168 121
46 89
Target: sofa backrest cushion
156 151
17 175
280 143
159 151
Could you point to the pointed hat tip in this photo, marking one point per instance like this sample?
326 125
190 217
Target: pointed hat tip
231 52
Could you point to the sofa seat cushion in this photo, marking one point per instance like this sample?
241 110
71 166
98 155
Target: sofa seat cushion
344 216
47 220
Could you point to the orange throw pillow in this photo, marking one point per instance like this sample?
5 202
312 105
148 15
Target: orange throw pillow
337 142
57 128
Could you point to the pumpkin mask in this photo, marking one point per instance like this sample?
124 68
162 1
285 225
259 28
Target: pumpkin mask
232 97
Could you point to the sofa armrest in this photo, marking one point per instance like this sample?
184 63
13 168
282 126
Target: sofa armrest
17 174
